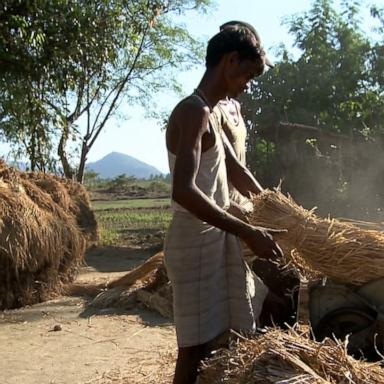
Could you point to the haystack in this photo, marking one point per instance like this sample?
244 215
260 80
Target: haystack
327 247
80 207
41 246
288 356
72 197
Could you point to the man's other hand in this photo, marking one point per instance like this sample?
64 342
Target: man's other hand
261 242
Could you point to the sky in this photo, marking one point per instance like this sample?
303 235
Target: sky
143 138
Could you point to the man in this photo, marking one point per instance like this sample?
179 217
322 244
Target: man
277 306
228 113
212 291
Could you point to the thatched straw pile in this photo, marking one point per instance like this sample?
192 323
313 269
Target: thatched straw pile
80 207
72 197
41 245
339 250
288 357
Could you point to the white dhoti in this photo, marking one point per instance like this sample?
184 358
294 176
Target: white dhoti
213 288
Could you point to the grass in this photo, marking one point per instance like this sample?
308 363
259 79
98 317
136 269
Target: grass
131 204
133 219
140 222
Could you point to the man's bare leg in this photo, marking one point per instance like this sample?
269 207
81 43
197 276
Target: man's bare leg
187 364
189 359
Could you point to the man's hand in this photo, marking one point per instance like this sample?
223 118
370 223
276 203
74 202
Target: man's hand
238 211
261 242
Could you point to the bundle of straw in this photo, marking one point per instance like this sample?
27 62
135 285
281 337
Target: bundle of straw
287 357
339 250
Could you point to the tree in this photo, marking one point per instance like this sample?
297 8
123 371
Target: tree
90 177
309 115
82 59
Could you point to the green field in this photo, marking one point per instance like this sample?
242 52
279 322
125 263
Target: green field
132 222
131 204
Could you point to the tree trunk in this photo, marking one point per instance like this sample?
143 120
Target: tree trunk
67 169
83 159
32 153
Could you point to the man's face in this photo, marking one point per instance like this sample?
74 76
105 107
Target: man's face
239 73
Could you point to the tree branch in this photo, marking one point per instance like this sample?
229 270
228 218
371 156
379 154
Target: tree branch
120 89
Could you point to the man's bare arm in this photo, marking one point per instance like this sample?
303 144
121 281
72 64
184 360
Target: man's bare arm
239 176
193 122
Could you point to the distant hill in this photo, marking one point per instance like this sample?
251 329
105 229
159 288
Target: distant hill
21 166
115 164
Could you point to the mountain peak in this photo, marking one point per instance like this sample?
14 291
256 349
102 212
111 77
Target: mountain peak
114 153
116 163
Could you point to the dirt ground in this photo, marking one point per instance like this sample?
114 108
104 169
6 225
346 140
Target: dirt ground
65 341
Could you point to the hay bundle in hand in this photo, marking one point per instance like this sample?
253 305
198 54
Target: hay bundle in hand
287 357
335 249
41 246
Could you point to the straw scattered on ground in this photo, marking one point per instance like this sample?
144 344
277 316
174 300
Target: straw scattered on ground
288 356
144 372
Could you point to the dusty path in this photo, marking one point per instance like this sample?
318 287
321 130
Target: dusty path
112 345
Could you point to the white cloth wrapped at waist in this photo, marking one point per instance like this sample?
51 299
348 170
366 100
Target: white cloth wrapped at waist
213 288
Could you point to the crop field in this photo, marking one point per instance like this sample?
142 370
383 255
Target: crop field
131 204
140 222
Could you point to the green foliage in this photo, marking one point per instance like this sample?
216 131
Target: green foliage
330 84
90 177
122 181
130 187
108 236
63 60
160 187
332 95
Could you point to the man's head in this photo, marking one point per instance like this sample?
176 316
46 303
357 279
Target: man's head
244 24
236 51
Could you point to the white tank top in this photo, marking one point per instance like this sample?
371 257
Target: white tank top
237 135
211 176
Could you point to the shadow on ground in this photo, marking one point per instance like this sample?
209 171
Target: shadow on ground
147 317
116 259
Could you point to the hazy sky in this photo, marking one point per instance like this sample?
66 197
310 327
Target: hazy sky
141 137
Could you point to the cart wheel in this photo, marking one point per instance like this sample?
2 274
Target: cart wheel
349 321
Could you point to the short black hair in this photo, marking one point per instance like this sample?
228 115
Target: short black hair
233 38
235 23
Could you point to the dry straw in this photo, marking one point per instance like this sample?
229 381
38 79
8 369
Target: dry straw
288 357
80 207
41 246
339 250
147 283
72 197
